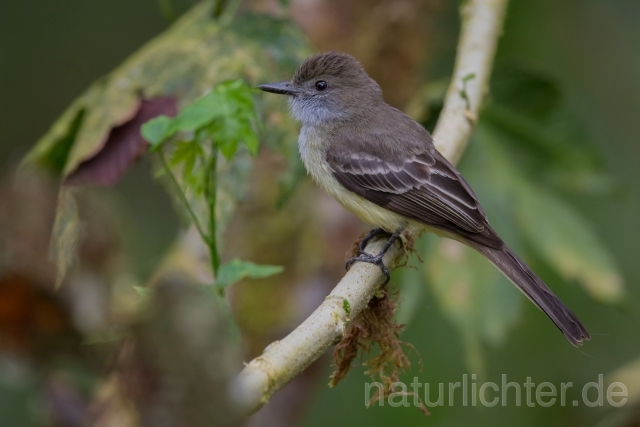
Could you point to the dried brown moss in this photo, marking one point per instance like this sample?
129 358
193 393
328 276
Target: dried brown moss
375 332
373 327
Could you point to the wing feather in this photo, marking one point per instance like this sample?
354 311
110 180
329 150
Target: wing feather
424 187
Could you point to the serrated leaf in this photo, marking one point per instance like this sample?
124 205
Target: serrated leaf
225 116
236 270
564 239
202 112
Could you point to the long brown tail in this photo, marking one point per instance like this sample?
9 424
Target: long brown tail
535 289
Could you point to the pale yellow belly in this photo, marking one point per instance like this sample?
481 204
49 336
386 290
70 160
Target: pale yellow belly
314 160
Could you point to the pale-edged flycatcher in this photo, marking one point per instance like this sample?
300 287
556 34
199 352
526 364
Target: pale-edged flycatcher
382 165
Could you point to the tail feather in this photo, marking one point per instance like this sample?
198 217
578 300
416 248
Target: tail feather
535 289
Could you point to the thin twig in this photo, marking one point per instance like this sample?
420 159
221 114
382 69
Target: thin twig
285 359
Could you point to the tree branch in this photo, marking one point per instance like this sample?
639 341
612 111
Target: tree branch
481 28
283 360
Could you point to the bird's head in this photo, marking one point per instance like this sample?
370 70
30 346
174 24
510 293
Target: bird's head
327 88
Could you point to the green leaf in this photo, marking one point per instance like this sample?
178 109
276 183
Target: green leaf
250 139
567 242
156 131
202 112
346 306
226 115
236 270
186 154
228 148
195 180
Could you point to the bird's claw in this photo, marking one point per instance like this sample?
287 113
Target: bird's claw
366 239
364 256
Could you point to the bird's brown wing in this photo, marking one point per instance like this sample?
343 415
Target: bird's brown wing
424 187
427 188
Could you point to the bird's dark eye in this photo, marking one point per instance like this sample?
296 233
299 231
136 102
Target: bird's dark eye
321 85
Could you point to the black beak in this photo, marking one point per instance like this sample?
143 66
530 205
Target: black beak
282 88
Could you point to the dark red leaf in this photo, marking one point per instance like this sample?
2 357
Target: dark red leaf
123 146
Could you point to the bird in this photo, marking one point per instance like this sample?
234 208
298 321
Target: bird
382 166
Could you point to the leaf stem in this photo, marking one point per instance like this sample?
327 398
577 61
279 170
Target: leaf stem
211 196
183 197
209 239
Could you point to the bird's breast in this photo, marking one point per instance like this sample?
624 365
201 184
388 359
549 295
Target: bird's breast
313 145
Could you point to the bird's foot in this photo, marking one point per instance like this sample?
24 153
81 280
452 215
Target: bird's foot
366 239
376 260
364 256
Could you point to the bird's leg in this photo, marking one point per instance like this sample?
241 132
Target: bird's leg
377 259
